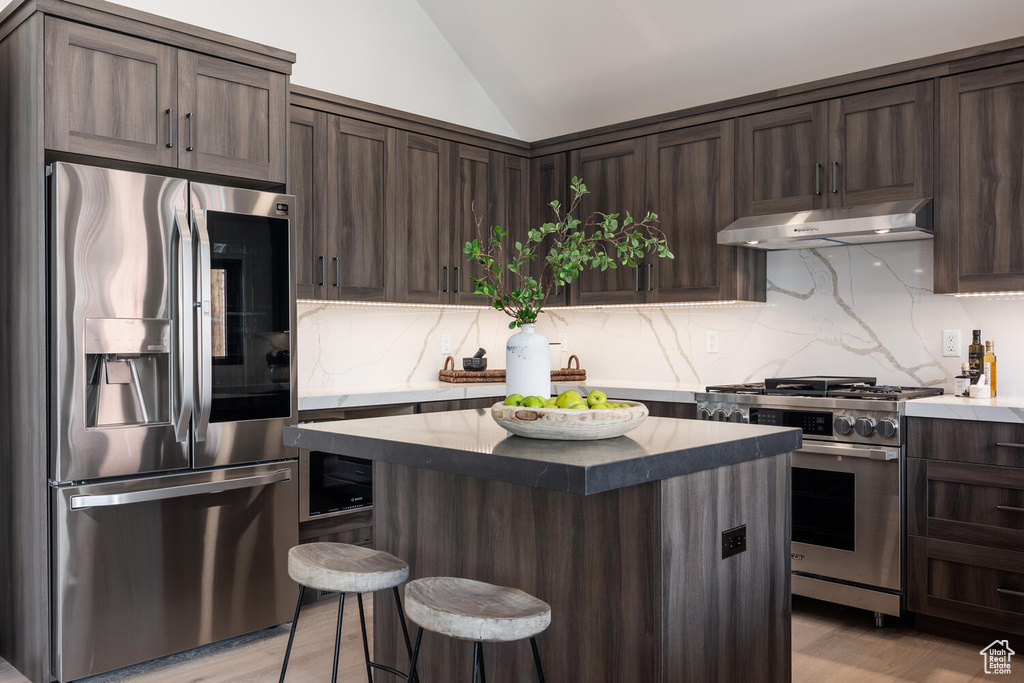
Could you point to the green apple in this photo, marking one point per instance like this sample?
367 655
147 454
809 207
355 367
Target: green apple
533 402
579 406
600 406
550 403
514 400
595 397
567 398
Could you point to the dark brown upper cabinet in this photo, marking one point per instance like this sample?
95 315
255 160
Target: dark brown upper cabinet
979 229
476 193
881 146
307 175
780 160
690 184
118 97
110 95
419 216
549 181
615 178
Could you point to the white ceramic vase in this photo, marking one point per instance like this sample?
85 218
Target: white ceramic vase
528 363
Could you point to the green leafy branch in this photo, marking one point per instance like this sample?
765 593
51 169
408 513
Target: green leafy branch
600 242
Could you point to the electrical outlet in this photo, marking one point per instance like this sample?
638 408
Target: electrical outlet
712 341
734 541
951 343
563 339
446 344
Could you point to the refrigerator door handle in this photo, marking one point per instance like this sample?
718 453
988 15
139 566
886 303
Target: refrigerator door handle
84 502
204 345
186 334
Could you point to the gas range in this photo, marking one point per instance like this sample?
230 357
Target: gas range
847 409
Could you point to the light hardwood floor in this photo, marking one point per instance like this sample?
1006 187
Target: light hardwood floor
830 645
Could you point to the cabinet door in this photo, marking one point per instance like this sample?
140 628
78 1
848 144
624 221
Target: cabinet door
548 181
307 177
476 189
419 214
979 230
780 160
354 210
232 118
614 176
690 184
880 145
109 95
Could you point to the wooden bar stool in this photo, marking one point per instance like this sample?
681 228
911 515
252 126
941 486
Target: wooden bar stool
347 569
476 611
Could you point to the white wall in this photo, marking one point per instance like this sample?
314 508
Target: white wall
387 52
846 310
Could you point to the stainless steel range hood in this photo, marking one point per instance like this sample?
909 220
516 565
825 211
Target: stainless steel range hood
869 223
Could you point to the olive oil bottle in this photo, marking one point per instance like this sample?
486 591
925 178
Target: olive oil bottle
990 365
976 357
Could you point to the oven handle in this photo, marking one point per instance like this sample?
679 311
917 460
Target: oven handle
883 454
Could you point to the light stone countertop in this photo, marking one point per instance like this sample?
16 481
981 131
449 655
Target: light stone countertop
949 407
424 392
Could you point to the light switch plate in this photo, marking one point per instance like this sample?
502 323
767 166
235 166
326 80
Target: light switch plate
951 343
712 341
563 339
446 344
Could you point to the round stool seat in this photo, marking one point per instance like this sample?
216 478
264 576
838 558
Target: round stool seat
473 610
345 568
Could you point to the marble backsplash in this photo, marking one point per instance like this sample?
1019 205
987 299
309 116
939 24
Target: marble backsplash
866 310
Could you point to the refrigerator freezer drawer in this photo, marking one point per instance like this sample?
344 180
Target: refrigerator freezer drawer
148 567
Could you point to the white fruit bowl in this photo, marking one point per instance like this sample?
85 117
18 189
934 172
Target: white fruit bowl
564 424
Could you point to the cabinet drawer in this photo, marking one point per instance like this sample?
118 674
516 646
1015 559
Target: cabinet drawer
979 504
986 443
968 583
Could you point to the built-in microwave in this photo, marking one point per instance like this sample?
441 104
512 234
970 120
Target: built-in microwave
331 485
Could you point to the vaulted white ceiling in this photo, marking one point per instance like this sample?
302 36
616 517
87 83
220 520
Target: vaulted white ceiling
559 66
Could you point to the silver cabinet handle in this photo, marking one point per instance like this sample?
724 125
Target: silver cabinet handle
1007 591
650 277
850 451
337 270
835 173
204 343
166 493
1010 445
447 279
170 128
191 132
817 179
186 332
323 270
1009 508
458 279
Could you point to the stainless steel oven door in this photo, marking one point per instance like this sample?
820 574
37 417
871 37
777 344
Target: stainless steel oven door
847 513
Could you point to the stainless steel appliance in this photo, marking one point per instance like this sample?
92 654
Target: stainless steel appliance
848 502
173 501
331 485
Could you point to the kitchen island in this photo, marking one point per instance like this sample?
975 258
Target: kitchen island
623 537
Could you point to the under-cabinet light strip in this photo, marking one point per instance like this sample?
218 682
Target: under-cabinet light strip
732 303
975 295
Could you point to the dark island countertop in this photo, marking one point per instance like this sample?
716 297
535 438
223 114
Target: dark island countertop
470 443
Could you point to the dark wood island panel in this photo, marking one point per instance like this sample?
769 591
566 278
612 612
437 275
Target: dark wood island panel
635 576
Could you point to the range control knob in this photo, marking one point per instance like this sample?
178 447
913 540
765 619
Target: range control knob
739 416
704 414
842 426
865 426
886 429
721 415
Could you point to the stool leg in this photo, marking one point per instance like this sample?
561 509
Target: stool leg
415 656
405 628
291 636
366 646
483 673
536 659
476 662
337 638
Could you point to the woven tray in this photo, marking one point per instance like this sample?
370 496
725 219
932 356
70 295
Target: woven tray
451 375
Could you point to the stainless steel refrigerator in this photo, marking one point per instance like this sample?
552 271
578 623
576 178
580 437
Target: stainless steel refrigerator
173 501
